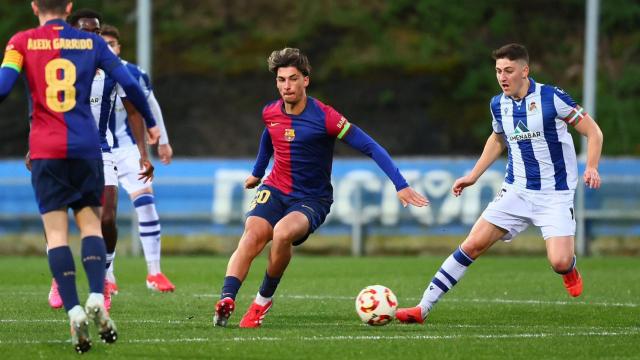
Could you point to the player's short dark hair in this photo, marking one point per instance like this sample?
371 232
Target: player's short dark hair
110 30
512 52
289 57
83 13
52 6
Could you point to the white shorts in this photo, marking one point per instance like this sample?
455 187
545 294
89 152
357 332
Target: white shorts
128 161
515 210
110 169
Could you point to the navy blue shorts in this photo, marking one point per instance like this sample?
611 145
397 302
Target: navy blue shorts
67 183
272 205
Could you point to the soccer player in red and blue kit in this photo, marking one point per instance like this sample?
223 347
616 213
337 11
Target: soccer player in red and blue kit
59 63
295 198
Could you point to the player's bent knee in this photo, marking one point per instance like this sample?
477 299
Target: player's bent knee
562 264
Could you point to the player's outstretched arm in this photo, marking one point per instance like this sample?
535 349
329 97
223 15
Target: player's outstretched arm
8 77
359 140
492 150
136 96
136 123
589 128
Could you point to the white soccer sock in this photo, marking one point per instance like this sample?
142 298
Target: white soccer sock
149 228
449 274
261 300
153 267
76 313
109 273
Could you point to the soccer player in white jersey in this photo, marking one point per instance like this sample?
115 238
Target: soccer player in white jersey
530 120
127 156
104 91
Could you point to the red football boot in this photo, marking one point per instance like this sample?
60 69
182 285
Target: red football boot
254 316
224 309
573 282
410 315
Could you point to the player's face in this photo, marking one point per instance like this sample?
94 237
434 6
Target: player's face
113 42
291 84
89 25
512 76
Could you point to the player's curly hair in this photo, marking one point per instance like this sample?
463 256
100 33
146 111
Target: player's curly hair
52 6
110 30
83 13
512 52
289 57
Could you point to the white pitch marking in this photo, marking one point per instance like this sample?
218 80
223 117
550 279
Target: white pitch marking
635 331
496 300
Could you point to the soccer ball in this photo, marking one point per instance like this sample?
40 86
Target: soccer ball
376 305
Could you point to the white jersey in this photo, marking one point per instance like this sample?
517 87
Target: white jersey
541 155
103 95
119 123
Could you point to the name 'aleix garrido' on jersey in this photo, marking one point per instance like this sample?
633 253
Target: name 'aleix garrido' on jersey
59 44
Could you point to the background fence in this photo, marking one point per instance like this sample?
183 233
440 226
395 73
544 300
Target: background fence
206 197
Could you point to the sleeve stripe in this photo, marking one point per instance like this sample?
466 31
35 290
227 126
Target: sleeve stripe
344 130
11 66
576 115
13 59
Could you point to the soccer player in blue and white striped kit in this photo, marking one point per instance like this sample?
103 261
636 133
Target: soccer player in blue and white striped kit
529 119
127 156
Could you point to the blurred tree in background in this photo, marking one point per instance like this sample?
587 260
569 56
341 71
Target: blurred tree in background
417 75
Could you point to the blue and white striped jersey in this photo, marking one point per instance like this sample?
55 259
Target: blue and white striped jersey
103 95
541 155
119 123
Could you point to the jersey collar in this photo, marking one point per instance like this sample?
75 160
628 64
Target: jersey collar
56 22
532 89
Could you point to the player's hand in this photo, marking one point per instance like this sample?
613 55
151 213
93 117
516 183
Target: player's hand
165 153
592 178
251 182
27 160
409 196
154 135
146 167
462 183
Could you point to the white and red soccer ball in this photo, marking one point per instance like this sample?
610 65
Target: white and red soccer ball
376 305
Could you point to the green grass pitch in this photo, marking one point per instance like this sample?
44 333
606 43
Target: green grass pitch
504 308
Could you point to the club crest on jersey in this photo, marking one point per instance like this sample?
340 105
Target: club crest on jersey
522 132
506 110
289 134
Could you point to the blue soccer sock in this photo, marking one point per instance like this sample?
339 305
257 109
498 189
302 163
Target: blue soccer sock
231 287
269 285
63 270
448 276
94 260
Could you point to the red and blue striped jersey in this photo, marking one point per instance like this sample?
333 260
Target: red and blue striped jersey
59 63
303 147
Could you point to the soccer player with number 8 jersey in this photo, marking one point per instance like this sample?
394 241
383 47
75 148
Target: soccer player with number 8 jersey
59 63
